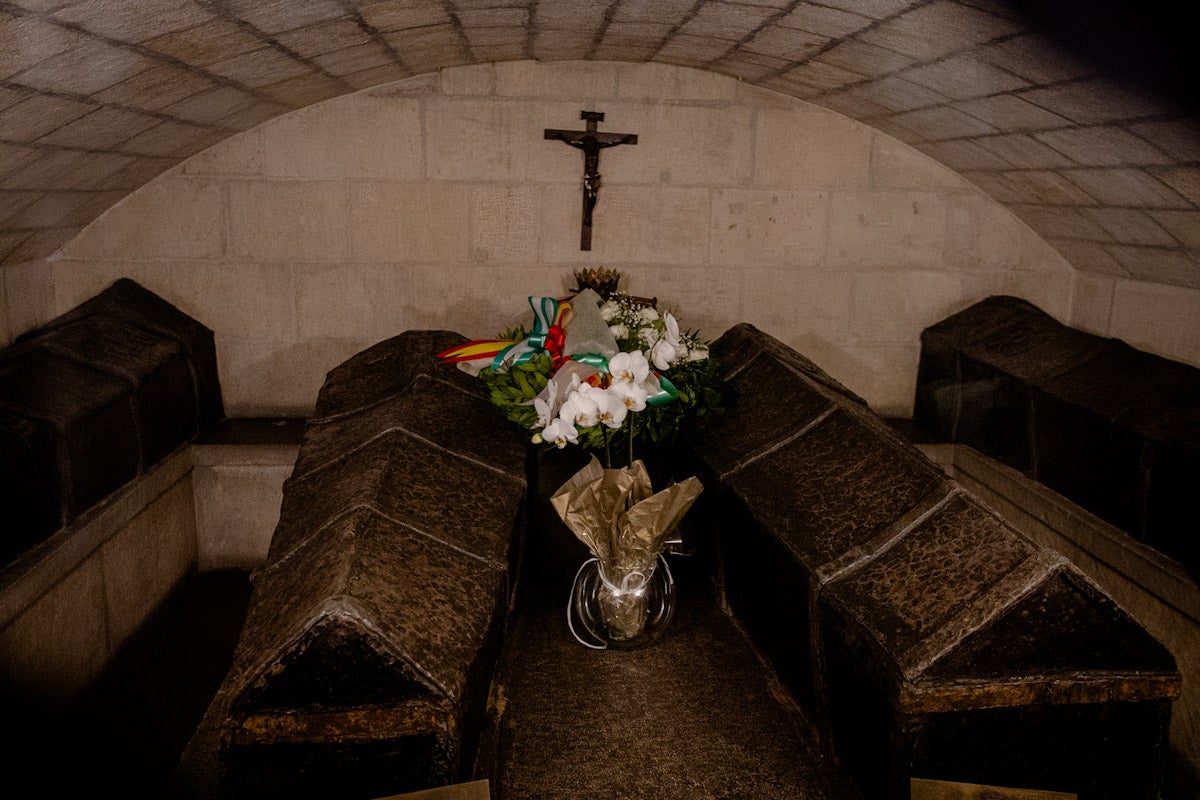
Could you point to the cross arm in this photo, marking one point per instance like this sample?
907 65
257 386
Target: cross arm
579 138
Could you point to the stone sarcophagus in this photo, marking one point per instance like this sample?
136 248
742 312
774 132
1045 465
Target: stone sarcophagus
927 637
1113 428
374 626
92 400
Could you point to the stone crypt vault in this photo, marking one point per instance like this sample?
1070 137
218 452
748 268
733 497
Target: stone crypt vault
1080 125
308 178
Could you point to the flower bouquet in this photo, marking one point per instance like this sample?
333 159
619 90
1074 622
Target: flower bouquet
621 596
602 369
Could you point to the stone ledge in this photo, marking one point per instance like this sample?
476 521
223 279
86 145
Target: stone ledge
255 431
68 603
1043 508
44 566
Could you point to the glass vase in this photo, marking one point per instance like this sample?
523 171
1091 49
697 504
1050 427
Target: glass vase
620 612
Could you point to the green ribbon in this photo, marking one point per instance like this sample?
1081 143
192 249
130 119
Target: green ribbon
592 360
665 394
545 309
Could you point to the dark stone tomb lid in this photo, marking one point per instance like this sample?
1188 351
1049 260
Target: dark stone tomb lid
1138 391
429 409
131 302
56 389
766 404
1063 642
372 599
956 580
831 492
743 342
430 491
114 345
387 368
1015 337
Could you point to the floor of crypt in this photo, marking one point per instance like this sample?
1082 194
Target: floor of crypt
694 715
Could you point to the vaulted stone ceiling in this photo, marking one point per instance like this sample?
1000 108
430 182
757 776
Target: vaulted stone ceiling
1096 148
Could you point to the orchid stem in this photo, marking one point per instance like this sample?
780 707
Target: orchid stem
631 442
607 452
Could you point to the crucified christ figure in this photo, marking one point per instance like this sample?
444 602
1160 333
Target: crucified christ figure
591 142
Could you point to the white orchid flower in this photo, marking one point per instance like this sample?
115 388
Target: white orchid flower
633 395
672 334
612 408
668 347
560 433
618 331
546 404
629 367
662 354
580 408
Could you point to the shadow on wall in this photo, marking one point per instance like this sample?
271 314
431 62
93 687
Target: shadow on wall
289 373
452 316
864 378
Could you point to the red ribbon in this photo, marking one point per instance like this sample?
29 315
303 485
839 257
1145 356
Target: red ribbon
556 337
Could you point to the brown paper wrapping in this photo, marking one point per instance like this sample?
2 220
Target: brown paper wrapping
625 525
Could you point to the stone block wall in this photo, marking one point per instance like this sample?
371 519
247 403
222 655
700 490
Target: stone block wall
435 202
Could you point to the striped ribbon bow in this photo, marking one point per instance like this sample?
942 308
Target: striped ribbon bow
549 318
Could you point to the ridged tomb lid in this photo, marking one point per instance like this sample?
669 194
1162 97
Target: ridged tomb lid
956 579
767 404
386 369
132 303
832 492
425 489
380 601
429 409
743 342
1063 642
1135 391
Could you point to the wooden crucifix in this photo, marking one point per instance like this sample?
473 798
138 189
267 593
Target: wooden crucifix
591 142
